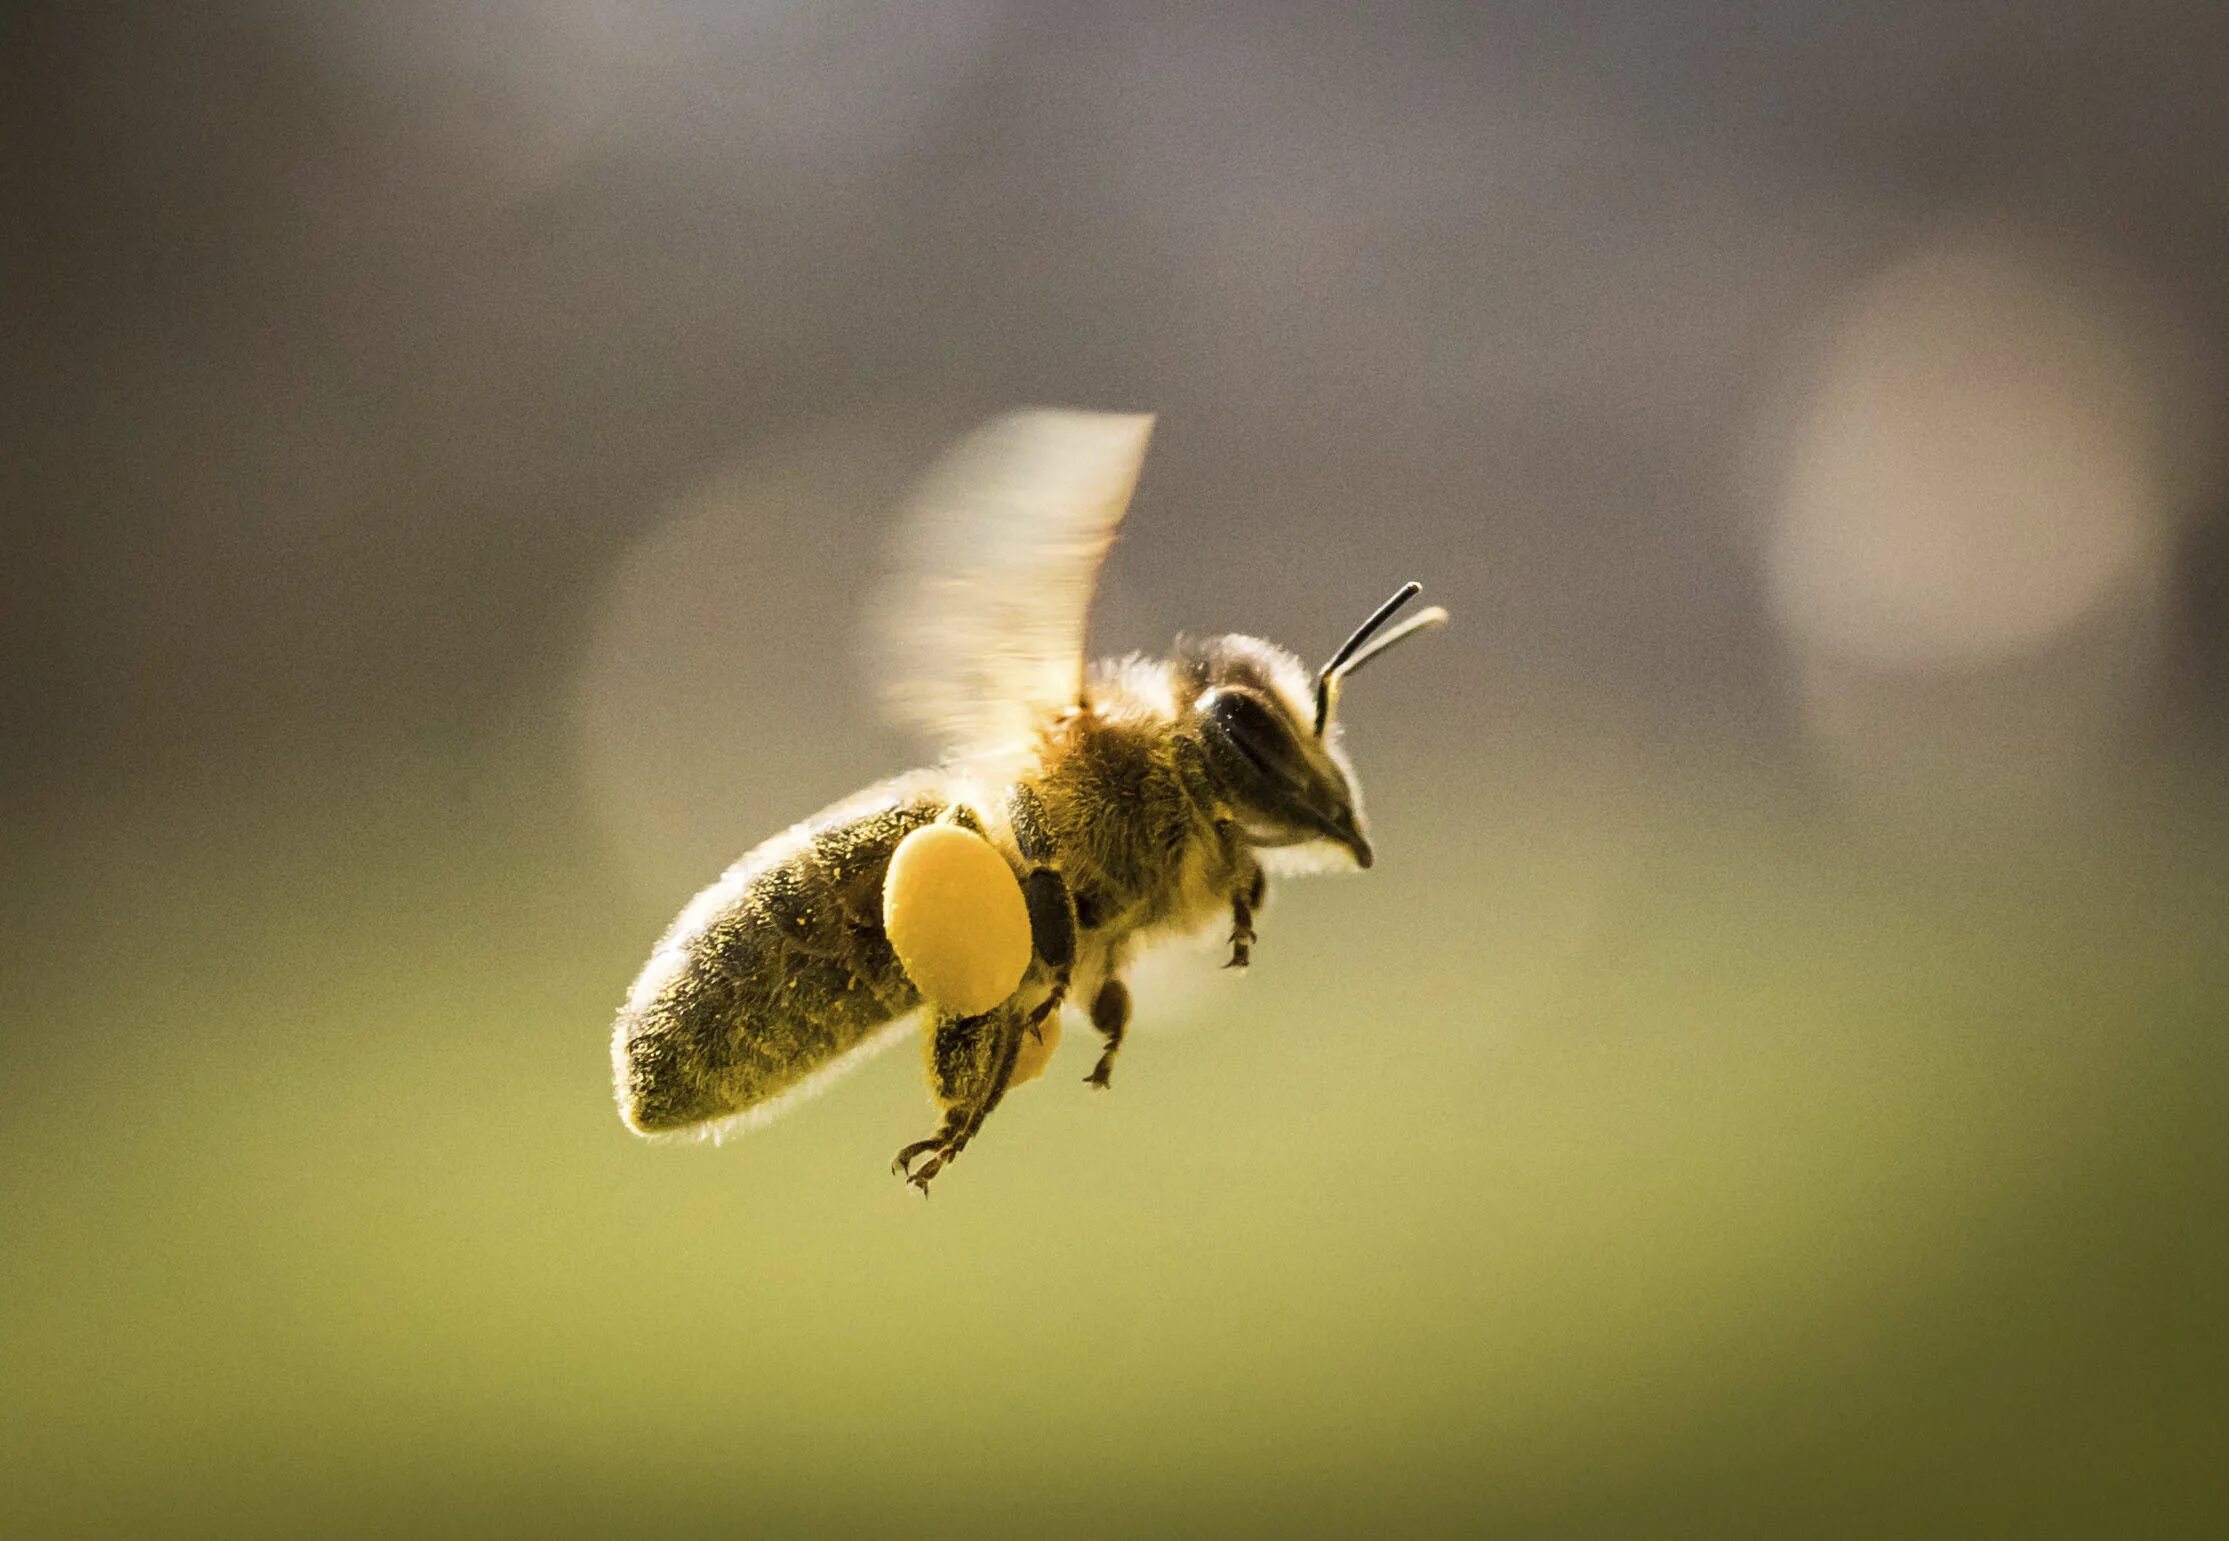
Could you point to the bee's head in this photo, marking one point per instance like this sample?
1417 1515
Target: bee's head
1271 744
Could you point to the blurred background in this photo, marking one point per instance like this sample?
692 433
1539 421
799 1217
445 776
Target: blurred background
1771 1084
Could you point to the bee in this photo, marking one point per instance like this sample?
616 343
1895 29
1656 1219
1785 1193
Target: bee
1123 803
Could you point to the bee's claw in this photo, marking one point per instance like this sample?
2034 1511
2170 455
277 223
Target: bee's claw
902 1164
1035 1021
940 1149
1102 1074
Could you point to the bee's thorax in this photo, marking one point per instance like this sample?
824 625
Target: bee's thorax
1128 802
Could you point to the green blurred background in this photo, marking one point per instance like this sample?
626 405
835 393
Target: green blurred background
1771 1084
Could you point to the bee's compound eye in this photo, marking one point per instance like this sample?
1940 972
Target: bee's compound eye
1263 744
954 915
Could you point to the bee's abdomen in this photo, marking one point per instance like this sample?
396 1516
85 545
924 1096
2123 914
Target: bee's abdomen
773 974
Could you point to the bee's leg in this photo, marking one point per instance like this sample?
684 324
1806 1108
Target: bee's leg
971 1059
1052 927
1245 900
1052 908
1110 1014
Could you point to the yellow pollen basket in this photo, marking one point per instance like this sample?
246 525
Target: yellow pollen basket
954 915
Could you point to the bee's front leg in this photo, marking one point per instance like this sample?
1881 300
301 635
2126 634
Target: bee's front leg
1245 900
971 1060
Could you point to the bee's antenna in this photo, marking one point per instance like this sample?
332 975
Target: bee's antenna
1379 617
1352 655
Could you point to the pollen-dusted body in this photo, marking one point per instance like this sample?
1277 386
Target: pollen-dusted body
1144 846
775 974
1132 803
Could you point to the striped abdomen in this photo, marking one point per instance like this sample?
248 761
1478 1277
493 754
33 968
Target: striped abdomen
775 974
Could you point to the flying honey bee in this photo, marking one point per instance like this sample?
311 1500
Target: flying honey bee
1077 815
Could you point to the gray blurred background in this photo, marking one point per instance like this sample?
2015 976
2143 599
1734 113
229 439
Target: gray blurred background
1772 1083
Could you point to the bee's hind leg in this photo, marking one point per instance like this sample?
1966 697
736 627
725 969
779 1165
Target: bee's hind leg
971 1059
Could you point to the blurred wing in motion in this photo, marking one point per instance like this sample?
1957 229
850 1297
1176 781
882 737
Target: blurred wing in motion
980 632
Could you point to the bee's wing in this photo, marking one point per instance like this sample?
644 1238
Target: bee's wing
981 627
